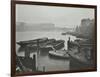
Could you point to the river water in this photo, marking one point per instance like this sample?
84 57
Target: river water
43 60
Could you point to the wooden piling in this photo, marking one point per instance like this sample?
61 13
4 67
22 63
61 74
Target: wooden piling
43 68
34 62
68 44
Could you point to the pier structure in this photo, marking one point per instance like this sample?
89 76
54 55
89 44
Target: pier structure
26 63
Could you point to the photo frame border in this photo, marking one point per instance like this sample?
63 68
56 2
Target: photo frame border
13 36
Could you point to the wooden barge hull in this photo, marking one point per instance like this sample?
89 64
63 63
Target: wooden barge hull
40 40
43 44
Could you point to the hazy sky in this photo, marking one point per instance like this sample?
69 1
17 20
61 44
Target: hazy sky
60 16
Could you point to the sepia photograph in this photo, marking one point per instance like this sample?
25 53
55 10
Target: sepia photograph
54 38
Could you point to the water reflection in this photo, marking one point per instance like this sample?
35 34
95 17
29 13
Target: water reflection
50 63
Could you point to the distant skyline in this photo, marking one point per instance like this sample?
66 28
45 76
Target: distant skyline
60 16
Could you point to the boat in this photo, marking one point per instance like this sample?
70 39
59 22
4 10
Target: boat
24 43
43 43
57 44
59 54
63 33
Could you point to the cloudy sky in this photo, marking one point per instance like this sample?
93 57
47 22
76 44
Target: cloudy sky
60 16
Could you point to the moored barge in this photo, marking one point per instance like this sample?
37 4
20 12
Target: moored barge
24 43
43 43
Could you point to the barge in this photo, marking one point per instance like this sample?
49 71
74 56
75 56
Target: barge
63 33
40 40
43 43
59 54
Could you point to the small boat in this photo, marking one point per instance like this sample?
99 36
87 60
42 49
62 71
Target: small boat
64 33
59 54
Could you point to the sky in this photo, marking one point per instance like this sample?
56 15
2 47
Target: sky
60 16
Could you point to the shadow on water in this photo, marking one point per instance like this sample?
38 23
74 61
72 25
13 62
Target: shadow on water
44 59
44 53
58 58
